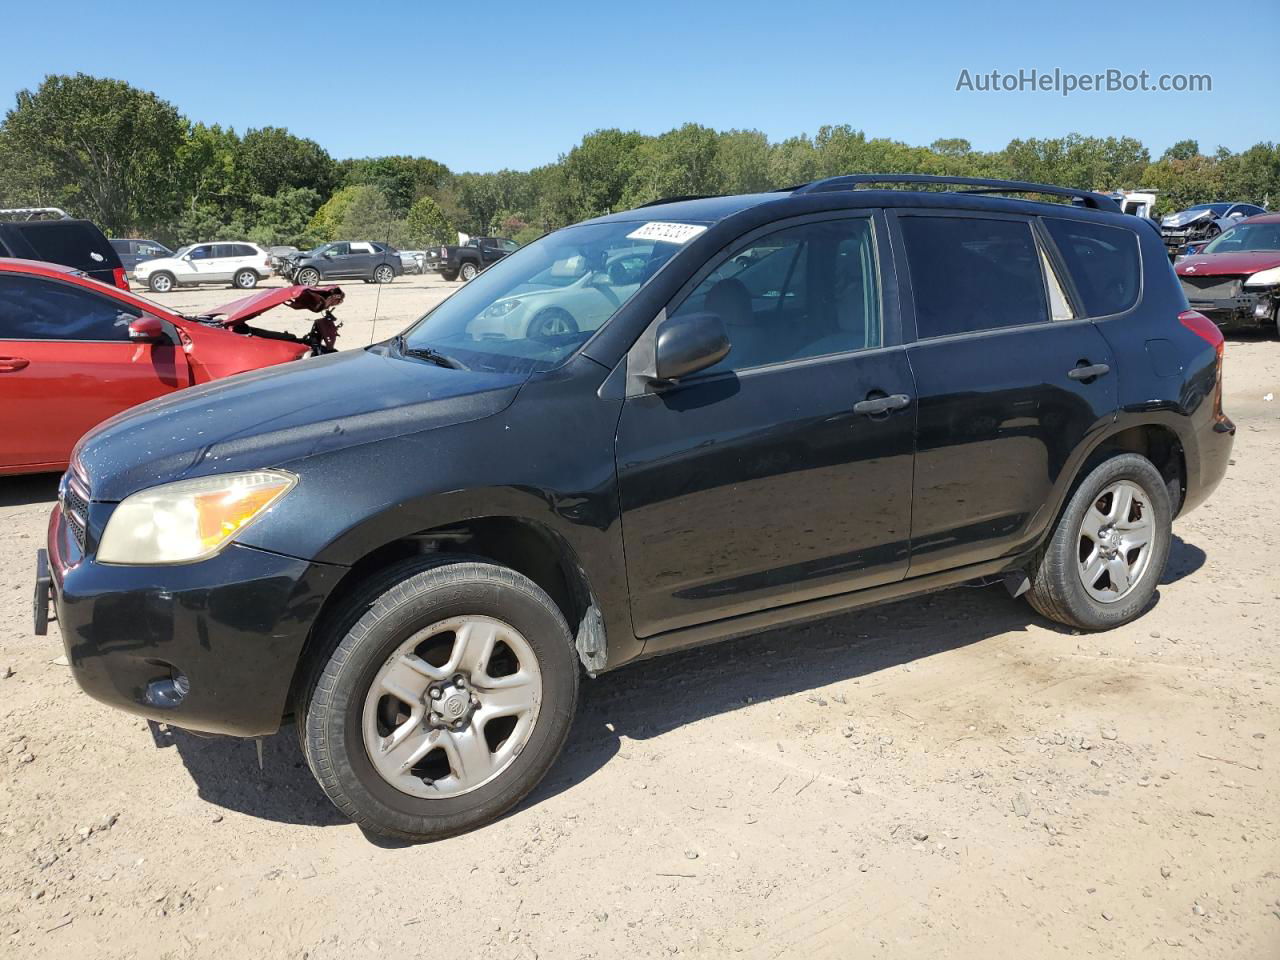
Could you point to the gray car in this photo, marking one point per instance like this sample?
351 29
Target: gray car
344 260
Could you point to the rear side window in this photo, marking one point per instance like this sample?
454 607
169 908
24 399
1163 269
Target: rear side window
35 309
970 274
74 243
1104 263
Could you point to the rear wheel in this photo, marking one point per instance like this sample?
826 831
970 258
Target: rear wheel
383 273
445 696
307 276
468 271
245 279
161 282
449 275
1107 554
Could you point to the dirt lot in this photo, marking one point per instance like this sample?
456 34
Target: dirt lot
949 777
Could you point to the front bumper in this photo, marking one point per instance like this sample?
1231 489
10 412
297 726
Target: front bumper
226 633
1249 309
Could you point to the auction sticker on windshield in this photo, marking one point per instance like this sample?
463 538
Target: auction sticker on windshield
667 232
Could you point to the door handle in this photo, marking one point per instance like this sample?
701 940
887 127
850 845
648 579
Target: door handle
1089 371
13 364
878 405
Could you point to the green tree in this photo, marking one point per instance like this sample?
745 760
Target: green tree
368 216
272 159
285 218
402 179
426 225
98 147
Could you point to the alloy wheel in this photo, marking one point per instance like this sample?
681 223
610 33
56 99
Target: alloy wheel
452 707
1115 541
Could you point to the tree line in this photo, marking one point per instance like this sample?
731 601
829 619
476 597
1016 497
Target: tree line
128 160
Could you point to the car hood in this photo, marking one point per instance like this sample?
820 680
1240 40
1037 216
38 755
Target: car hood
315 299
159 263
1222 264
1183 217
282 414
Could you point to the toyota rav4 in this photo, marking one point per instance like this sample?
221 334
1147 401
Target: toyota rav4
652 430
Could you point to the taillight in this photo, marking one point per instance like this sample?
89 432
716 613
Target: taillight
1207 330
444 254
120 279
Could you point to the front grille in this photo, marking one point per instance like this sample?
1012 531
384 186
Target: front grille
75 506
1211 288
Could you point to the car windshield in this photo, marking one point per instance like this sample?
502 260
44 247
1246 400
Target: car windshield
181 251
1215 207
532 309
1246 238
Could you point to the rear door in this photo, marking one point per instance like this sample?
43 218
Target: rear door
66 364
1009 382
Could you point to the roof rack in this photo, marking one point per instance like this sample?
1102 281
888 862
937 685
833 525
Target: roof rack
1088 198
681 199
31 213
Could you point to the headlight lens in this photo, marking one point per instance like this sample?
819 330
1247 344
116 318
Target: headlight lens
1264 278
189 520
502 308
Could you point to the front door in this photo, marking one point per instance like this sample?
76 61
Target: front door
66 364
1003 402
759 482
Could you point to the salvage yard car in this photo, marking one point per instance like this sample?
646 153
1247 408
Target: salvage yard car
240 265
1234 279
359 260
75 352
463 261
795 404
1202 222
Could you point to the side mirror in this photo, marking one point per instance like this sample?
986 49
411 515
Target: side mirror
146 330
688 344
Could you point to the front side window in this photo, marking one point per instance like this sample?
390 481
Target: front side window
202 253
1104 262
805 291
970 274
37 309
531 310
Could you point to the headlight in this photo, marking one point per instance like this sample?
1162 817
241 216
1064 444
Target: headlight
502 308
191 519
1264 278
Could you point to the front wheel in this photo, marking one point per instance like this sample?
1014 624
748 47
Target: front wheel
307 276
1101 566
245 279
383 274
445 696
468 271
161 282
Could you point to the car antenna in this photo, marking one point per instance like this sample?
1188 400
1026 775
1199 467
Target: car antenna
377 303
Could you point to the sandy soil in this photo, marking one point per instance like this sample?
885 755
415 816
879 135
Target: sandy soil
950 776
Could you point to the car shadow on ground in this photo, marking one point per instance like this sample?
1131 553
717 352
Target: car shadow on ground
28 489
651 698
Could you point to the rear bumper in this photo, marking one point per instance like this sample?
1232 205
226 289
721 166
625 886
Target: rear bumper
1212 455
228 631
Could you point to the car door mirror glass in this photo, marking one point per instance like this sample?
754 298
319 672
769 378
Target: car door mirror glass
687 344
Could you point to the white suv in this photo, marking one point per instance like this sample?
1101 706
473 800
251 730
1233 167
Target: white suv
239 264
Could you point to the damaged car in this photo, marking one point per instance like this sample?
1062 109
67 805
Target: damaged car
75 352
1234 280
1202 222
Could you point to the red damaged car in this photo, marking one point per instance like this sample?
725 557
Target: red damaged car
74 351
1234 279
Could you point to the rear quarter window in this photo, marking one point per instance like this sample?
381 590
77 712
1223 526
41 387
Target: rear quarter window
1103 261
73 243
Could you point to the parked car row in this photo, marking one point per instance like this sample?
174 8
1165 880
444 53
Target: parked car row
1234 279
660 428
1202 222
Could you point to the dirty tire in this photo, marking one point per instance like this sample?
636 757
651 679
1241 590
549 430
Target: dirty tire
468 271
360 637
308 276
1057 590
244 280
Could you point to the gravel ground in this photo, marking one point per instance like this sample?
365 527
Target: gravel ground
949 776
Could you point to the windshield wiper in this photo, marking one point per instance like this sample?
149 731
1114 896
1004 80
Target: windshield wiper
426 353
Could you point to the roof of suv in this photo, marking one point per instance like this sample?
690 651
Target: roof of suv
855 191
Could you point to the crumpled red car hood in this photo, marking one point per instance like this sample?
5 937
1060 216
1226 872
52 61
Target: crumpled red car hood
1221 264
315 299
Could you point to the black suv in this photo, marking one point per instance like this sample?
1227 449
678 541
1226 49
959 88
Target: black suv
648 431
48 234
342 260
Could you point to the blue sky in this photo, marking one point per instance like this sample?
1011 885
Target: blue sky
485 84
